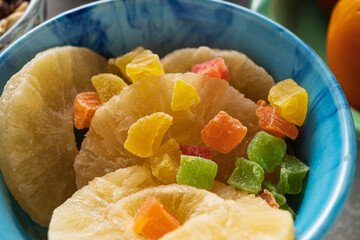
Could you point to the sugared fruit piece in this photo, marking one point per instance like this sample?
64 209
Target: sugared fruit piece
153 220
266 150
247 176
279 197
223 133
145 135
125 59
143 65
85 106
292 174
197 172
290 100
184 96
107 85
165 162
269 198
196 151
272 121
214 68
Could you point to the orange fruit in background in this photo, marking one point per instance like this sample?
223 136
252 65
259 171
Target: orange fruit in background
343 48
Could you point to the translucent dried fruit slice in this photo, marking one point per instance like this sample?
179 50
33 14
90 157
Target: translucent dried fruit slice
37 142
184 96
214 68
85 106
196 172
102 150
196 151
146 134
153 220
271 120
165 162
144 64
223 133
244 74
107 85
290 100
125 59
267 150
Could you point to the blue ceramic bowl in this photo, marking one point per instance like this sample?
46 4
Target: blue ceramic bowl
326 141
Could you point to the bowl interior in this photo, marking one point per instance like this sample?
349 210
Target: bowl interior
326 141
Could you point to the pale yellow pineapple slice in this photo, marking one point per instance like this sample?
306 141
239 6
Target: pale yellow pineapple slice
245 75
37 142
94 213
103 148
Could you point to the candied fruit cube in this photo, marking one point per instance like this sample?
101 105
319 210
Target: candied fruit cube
288 208
214 68
290 100
143 65
145 135
85 106
266 150
184 96
196 151
292 174
279 197
165 162
247 176
272 121
223 133
125 59
107 85
153 220
196 172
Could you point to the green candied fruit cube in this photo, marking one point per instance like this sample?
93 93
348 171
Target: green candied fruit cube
247 176
279 197
292 174
288 208
266 150
196 172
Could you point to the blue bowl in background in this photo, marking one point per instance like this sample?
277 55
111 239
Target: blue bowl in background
326 142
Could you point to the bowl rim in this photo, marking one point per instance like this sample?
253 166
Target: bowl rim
327 218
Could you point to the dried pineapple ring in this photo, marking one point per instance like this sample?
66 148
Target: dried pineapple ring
37 143
103 148
245 75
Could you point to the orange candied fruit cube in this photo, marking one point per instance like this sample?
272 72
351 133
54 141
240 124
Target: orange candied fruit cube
223 133
153 220
271 120
214 68
85 106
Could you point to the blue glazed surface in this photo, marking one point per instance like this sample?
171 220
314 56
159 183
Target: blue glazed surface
327 139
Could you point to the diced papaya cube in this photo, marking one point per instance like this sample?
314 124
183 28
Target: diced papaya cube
107 85
214 68
184 96
125 59
290 100
196 151
272 121
145 135
153 220
165 162
143 65
85 106
223 133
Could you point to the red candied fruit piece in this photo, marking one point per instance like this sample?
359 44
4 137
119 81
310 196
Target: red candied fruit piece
271 120
214 68
223 133
85 106
196 151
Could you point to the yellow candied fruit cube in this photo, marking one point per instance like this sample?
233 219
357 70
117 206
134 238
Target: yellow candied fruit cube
165 162
145 135
184 96
145 64
107 85
125 59
290 100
